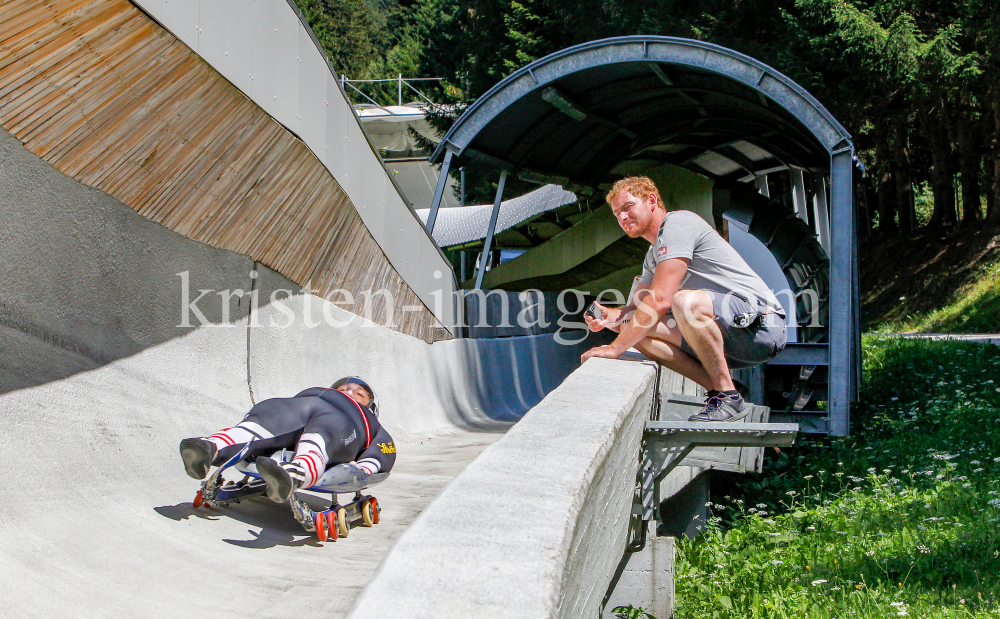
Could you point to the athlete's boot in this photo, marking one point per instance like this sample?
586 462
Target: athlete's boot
282 479
197 454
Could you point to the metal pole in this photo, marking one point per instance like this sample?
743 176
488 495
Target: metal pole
463 186
400 89
439 191
760 182
841 291
799 194
821 214
491 230
855 291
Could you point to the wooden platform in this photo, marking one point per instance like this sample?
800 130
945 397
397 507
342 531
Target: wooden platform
108 97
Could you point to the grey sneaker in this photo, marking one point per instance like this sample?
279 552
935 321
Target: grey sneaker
722 407
282 479
197 454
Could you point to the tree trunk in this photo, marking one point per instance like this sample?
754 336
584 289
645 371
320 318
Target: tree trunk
989 183
885 187
904 183
886 202
993 162
865 212
942 179
968 165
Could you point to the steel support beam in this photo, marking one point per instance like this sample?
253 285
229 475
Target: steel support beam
821 213
799 194
856 299
439 191
760 182
842 299
489 231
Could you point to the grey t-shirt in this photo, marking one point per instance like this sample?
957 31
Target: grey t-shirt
714 265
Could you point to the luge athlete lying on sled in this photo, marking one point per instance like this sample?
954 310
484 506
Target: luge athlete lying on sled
325 426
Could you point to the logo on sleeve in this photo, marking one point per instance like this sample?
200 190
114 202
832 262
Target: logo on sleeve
661 252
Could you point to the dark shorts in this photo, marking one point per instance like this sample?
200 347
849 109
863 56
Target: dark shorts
744 346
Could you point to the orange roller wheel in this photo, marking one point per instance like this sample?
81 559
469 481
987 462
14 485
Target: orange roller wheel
198 500
331 521
320 521
374 503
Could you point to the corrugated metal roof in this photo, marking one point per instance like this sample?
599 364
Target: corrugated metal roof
469 223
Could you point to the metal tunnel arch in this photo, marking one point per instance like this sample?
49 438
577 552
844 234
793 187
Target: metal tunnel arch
572 117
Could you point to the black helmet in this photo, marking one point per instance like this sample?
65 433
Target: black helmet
372 405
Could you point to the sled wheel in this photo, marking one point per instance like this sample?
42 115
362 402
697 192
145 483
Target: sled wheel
320 521
342 521
374 505
366 513
199 499
331 521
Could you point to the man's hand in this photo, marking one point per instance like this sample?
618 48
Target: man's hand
605 352
609 316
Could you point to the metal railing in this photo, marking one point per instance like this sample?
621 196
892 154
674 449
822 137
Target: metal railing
345 82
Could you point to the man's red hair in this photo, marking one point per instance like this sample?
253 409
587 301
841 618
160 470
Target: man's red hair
638 186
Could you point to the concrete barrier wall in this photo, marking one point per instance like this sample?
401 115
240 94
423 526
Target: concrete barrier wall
85 280
536 525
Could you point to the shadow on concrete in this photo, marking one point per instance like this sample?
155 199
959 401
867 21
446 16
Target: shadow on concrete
277 526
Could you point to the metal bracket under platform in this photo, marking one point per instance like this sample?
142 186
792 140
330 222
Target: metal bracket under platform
669 442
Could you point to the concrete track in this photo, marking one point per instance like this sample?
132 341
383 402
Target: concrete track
98 521
98 384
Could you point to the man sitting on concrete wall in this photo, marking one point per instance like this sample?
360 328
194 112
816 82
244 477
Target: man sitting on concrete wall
699 309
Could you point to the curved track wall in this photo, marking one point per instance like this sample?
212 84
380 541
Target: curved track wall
98 383
103 93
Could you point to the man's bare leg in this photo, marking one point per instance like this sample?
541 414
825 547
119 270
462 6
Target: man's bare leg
695 316
673 358
664 347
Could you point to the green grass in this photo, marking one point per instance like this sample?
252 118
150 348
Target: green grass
974 309
936 282
900 519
